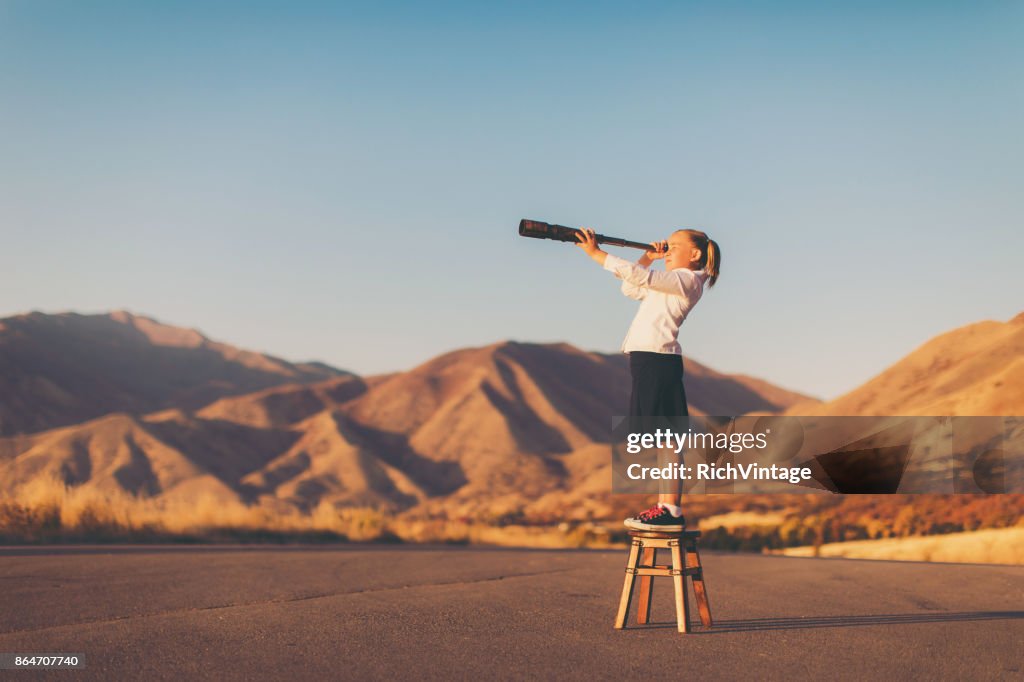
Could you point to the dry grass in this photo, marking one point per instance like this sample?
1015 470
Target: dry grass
995 546
510 535
46 510
743 519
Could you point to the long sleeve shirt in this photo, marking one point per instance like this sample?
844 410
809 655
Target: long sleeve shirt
666 298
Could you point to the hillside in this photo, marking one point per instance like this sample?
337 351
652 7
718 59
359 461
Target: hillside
67 368
975 370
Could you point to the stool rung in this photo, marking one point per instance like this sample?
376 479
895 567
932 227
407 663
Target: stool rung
662 571
667 567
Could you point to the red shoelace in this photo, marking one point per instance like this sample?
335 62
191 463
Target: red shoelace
651 513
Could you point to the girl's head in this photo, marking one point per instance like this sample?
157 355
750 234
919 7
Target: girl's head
694 250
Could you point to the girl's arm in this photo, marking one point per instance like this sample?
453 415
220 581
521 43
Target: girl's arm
657 251
633 292
678 282
588 242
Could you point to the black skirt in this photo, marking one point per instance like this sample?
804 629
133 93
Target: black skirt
657 385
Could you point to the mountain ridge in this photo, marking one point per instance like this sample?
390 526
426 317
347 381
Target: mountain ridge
66 368
510 420
973 370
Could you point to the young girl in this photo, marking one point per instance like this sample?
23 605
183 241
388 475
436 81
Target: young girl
692 261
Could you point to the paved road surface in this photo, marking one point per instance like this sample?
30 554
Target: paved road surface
353 612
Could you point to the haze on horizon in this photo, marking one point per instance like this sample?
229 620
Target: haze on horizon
342 182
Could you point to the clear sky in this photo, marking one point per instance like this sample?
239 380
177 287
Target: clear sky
343 181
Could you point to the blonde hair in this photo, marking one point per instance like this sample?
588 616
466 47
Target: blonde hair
710 253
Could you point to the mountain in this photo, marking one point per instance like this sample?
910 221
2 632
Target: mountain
975 370
525 419
473 430
60 369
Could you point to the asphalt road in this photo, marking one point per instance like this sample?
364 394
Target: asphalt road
351 612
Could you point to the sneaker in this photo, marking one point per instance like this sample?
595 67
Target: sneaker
658 519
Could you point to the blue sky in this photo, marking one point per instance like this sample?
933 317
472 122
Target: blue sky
343 182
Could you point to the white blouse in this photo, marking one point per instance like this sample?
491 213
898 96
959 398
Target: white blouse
666 298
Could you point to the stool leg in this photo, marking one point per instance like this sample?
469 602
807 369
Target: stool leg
627 587
699 591
643 614
682 603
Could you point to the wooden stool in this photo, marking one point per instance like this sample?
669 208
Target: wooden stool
648 543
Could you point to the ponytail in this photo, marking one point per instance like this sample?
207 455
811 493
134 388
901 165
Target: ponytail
714 262
711 254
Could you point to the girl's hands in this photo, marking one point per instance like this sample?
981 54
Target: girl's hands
587 241
658 250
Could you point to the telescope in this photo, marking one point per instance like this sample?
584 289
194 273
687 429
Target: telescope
561 233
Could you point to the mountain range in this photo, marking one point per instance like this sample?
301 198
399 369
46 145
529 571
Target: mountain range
121 402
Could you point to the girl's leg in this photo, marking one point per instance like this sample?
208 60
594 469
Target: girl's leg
658 393
674 496
672 491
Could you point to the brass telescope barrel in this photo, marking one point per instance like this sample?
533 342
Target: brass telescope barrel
561 233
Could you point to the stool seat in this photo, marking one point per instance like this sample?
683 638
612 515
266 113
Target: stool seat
658 534
643 553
